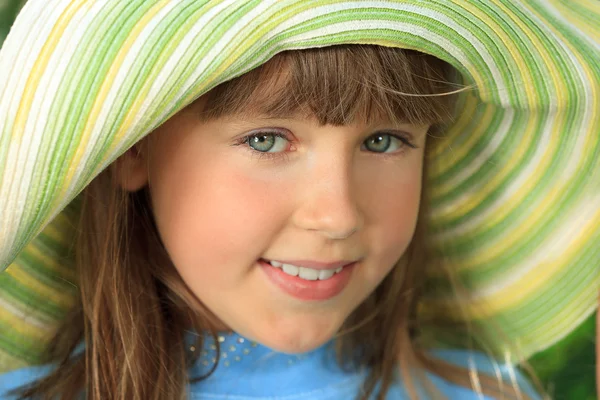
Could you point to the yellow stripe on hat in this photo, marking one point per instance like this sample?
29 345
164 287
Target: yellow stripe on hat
22 326
464 118
559 82
457 152
527 285
107 83
592 6
65 271
9 360
244 45
133 110
592 81
41 63
476 198
19 273
538 213
57 229
510 47
534 217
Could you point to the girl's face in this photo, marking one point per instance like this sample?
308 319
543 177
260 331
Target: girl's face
233 193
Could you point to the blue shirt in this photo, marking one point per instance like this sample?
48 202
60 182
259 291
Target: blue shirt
249 371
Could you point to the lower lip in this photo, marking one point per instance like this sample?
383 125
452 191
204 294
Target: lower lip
308 290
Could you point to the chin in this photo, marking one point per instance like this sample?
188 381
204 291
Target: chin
295 338
296 344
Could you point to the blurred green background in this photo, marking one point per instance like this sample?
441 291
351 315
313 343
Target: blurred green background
8 12
567 370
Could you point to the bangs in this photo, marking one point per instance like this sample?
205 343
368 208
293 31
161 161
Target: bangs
339 85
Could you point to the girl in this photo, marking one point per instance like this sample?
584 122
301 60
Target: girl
269 240
282 206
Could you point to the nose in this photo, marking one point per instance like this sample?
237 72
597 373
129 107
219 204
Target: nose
328 204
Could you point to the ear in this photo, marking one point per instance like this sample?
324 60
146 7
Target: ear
131 169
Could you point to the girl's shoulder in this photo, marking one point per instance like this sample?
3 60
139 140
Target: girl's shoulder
12 380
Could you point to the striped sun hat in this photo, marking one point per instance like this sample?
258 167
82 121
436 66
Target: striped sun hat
515 181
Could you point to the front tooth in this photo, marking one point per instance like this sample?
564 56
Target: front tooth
290 269
326 274
308 273
276 264
337 271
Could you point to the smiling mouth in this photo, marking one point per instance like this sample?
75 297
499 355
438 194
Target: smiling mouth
306 273
323 282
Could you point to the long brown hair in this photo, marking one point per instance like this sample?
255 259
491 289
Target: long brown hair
135 308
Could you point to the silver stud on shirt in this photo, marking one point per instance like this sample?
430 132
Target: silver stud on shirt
230 350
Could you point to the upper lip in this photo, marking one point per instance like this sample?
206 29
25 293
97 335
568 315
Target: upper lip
315 264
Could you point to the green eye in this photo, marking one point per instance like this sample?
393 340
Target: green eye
378 143
262 143
386 143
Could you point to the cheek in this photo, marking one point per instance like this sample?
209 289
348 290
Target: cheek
403 208
394 201
214 213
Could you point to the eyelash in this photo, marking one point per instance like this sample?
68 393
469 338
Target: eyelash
265 155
